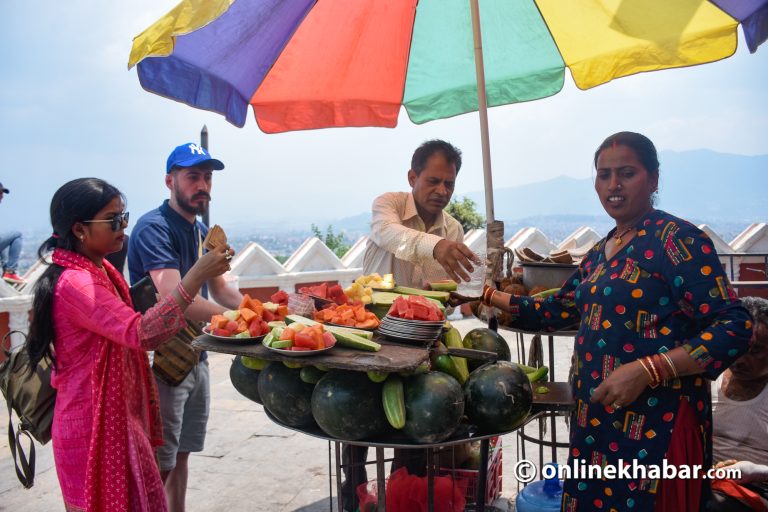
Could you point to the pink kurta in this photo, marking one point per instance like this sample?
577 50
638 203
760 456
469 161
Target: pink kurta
106 419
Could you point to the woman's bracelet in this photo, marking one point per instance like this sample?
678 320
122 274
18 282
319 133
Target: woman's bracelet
184 295
650 375
488 296
667 359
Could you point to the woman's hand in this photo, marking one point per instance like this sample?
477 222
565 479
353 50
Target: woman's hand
212 264
622 387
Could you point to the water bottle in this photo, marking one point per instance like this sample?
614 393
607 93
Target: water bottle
541 496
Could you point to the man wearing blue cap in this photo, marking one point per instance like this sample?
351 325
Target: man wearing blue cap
165 244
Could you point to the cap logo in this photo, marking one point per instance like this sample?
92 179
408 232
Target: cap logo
194 148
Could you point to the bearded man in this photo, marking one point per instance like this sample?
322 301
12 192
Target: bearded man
164 245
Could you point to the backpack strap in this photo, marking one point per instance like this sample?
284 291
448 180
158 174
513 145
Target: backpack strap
25 473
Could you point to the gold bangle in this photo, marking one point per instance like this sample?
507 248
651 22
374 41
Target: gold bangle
670 363
650 375
657 378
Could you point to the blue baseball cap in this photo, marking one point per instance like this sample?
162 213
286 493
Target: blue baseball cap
190 155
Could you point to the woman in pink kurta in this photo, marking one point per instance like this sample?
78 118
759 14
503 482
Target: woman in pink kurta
106 421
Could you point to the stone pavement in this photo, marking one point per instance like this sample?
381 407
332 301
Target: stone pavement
249 463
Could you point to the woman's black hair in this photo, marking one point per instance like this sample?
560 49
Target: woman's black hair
75 201
641 145
643 148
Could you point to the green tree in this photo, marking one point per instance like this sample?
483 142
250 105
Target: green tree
335 242
466 213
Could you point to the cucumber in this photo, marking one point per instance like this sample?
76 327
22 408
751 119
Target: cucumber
539 374
444 363
444 286
291 319
453 340
269 338
292 365
377 376
430 294
393 400
275 323
310 374
526 368
281 343
546 293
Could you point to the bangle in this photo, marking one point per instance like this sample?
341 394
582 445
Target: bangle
184 295
488 296
650 375
670 363
656 377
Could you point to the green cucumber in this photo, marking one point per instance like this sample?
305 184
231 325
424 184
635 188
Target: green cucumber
393 400
542 390
430 294
253 363
526 368
281 344
292 365
539 374
377 376
275 323
444 363
444 286
310 374
453 340
269 338
355 341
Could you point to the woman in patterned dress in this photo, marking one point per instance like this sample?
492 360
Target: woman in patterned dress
106 421
657 319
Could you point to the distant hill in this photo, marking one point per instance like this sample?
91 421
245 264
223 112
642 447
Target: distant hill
702 186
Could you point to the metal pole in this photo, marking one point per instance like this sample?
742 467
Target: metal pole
204 145
482 109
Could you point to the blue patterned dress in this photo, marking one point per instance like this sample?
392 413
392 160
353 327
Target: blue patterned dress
666 288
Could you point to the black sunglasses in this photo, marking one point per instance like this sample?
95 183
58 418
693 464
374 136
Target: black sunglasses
116 221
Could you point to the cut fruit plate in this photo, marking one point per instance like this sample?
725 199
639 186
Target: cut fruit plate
296 353
236 340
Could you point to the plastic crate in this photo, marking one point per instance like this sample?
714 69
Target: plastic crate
470 476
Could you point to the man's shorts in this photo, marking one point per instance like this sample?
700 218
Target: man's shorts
184 409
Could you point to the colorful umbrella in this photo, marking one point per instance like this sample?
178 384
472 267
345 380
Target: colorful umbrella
306 64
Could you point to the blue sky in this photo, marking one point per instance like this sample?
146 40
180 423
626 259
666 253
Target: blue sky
70 108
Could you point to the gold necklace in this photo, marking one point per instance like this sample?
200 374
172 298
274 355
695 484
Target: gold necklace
617 236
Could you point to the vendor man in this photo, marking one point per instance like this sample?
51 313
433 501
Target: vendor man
413 238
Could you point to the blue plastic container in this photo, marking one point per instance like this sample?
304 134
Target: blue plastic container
540 496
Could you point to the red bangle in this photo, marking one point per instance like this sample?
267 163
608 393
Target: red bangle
184 295
656 376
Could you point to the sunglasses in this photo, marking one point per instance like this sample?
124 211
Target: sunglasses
116 221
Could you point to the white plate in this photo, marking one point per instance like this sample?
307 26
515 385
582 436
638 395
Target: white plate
232 339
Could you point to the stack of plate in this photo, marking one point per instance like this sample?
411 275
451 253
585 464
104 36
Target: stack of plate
417 332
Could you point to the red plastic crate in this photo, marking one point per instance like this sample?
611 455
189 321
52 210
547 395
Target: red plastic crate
470 476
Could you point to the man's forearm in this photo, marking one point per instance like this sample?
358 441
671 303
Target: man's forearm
202 309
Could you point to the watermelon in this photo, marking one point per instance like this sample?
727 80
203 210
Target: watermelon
434 405
279 297
245 380
488 340
498 397
347 405
285 395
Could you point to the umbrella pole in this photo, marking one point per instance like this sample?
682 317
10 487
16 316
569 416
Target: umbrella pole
482 108
495 229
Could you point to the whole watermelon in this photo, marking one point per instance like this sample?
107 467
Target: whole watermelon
489 340
285 395
245 380
347 405
498 397
434 405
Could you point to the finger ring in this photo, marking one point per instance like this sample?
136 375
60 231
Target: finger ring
616 405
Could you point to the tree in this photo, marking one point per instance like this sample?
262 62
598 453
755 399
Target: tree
335 242
465 212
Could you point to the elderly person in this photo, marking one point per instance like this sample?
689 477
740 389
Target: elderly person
657 318
740 422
